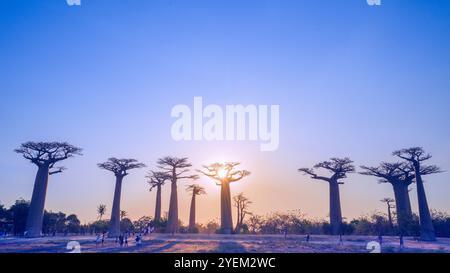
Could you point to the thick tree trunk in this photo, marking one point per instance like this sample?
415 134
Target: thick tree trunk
192 215
335 208
403 206
226 226
158 204
172 222
426 224
114 222
36 211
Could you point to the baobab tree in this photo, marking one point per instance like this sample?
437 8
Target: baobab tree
101 210
157 180
195 190
45 155
120 168
176 169
389 204
242 204
339 168
400 176
224 174
416 156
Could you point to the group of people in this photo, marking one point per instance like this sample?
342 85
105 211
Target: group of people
123 239
100 239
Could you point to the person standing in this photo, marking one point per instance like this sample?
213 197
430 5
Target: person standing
401 241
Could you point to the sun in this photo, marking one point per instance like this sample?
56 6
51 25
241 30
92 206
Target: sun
222 173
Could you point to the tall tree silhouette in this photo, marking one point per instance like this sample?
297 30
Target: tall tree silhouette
242 204
416 156
400 176
224 174
101 210
195 190
389 202
157 180
176 169
338 167
120 168
44 155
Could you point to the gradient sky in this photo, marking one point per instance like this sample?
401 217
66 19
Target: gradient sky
351 80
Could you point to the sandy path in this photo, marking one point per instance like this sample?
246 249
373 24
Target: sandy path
203 243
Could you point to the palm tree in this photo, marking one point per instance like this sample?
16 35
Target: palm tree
224 174
101 210
195 190
157 180
123 214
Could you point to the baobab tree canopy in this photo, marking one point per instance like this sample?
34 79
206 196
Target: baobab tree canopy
120 166
47 153
339 167
391 172
224 172
195 189
44 155
155 179
168 164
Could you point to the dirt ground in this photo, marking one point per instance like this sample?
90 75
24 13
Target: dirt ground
204 243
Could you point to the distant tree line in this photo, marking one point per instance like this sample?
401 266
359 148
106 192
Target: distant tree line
13 221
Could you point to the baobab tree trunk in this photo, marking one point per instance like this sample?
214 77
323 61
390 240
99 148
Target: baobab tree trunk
335 208
36 212
114 222
192 215
426 224
391 224
158 204
172 222
237 230
226 225
403 206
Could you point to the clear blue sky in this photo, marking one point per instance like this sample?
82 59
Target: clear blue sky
351 80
